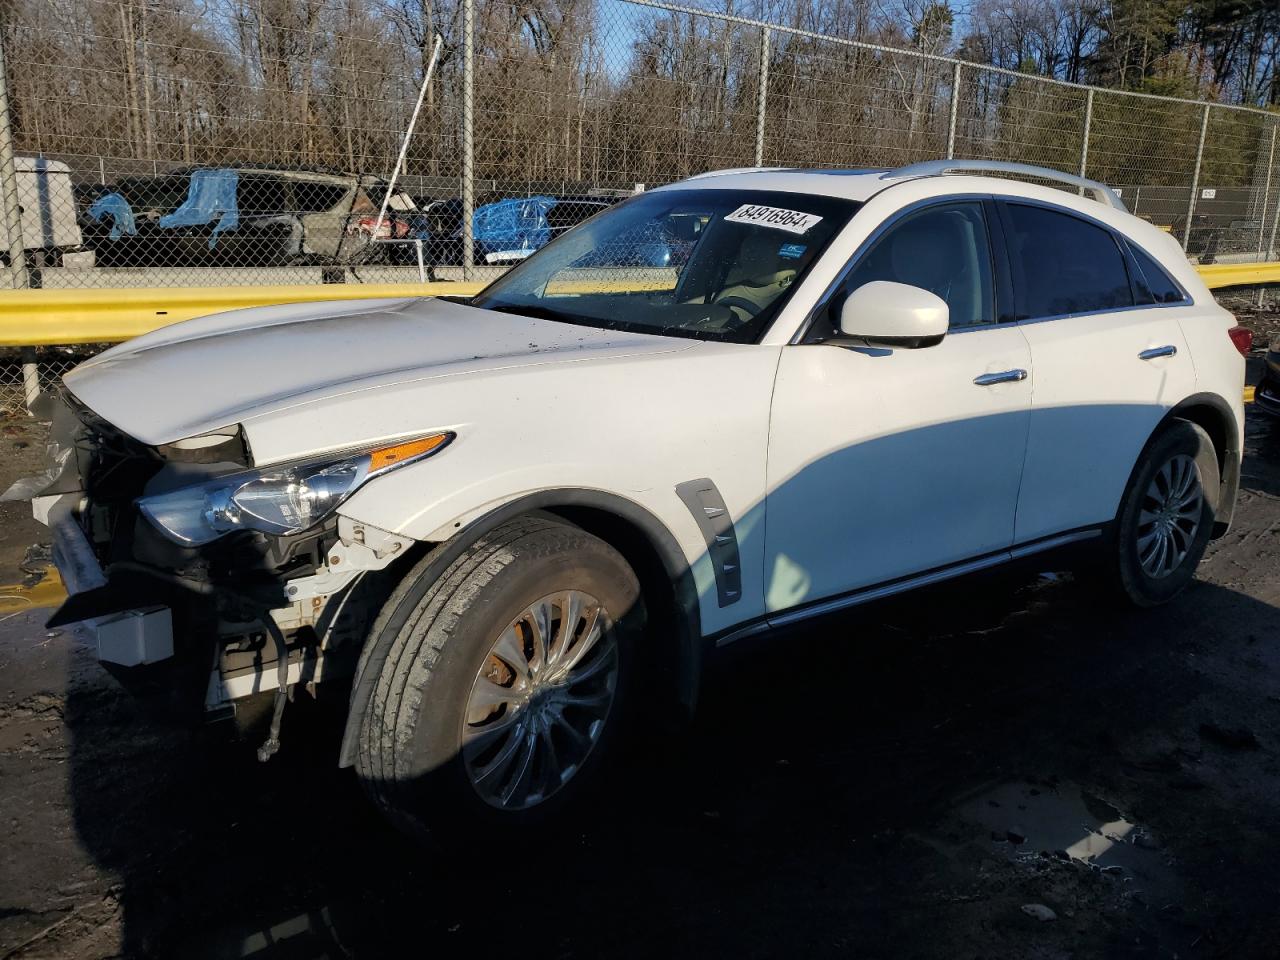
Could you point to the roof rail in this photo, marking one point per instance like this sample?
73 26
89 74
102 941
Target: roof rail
936 168
732 170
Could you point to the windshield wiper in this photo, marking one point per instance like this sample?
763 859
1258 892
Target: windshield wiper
545 313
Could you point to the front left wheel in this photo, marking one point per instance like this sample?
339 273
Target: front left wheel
506 681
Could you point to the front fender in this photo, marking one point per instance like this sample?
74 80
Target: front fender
689 643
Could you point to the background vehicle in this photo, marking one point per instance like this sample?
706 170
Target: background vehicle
830 388
1267 393
50 233
505 231
243 216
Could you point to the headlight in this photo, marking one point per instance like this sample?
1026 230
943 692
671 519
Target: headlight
277 500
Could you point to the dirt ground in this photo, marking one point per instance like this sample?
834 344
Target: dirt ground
1008 768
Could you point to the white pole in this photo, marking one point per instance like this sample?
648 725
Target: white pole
14 240
30 379
468 138
408 135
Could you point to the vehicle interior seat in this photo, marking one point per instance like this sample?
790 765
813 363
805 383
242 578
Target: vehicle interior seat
760 272
939 253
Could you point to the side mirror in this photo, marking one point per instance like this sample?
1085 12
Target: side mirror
894 314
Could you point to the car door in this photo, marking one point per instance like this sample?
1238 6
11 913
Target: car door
886 462
1108 366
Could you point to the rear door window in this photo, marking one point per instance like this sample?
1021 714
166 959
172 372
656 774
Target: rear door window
1068 265
260 197
311 196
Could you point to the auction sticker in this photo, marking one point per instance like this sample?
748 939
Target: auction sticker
792 221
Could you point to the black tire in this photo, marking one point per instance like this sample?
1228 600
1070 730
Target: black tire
1124 573
409 753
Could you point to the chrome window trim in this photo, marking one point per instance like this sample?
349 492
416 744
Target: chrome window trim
1094 313
820 304
1120 240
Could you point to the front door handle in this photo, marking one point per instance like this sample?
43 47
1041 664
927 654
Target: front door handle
1168 350
1004 376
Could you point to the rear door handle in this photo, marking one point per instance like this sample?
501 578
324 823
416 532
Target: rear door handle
1004 376
1168 350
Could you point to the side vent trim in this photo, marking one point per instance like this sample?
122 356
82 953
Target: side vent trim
712 517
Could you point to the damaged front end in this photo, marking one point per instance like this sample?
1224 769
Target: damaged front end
198 573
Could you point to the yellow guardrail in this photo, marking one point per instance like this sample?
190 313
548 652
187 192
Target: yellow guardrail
1219 275
36 318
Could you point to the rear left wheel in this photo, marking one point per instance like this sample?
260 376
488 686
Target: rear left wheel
1166 516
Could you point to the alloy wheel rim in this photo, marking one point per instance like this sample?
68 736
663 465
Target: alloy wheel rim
540 700
1169 516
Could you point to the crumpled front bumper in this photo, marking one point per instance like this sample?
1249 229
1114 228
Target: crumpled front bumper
126 633
72 553
128 638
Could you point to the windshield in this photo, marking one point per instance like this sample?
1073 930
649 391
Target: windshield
711 264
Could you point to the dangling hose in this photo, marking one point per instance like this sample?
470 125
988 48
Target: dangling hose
272 744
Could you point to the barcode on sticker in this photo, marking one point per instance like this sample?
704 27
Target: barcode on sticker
792 221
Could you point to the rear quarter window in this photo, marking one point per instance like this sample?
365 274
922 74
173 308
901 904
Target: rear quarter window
1154 285
1068 264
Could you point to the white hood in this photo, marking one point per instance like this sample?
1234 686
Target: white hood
216 371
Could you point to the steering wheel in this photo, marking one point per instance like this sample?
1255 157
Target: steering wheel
743 304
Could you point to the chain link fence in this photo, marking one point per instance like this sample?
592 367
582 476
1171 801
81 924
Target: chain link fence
252 141
25 373
255 141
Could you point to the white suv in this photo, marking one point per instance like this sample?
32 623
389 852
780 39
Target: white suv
721 407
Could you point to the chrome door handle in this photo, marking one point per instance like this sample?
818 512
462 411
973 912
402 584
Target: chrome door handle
1168 350
1005 376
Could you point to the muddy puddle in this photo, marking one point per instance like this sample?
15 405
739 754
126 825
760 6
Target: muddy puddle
1026 820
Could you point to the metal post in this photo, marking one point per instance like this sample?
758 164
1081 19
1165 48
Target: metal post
1266 192
955 111
9 186
408 135
762 95
468 140
1271 244
1195 180
1084 145
30 377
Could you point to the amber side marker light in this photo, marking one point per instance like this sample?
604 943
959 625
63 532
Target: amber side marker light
386 457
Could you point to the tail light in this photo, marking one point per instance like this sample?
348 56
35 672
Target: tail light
1242 337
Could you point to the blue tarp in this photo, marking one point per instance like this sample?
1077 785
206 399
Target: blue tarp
211 196
513 225
116 207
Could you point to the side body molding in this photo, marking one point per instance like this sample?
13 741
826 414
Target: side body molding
688 644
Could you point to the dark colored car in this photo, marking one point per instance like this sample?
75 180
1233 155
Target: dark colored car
440 227
1267 395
